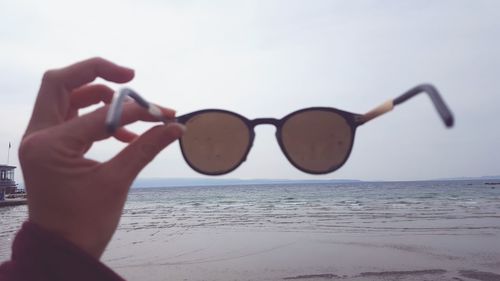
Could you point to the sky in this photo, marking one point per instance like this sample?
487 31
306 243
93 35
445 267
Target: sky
269 58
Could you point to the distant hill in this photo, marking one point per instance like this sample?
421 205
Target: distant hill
485 178
170 182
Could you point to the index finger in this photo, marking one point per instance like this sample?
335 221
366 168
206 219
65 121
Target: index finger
91 126
81 73
53 102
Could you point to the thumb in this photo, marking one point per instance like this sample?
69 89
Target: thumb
133 158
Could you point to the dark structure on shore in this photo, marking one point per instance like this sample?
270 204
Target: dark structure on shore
7 183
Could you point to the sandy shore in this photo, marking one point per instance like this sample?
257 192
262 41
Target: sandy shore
227 254
369 232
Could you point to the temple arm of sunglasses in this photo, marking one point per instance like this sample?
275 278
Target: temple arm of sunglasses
116 108
433 93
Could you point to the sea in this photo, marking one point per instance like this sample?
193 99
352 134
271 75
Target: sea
347 207
439 208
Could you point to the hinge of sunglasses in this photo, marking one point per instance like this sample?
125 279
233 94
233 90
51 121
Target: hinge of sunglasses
374 113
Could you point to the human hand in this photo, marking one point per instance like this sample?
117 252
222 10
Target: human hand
68 194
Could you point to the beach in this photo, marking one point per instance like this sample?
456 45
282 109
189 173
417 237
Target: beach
234 255
447 230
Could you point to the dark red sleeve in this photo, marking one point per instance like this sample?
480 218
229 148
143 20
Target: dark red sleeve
41 255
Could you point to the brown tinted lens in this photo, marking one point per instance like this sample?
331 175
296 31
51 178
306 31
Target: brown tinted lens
317 141
215 142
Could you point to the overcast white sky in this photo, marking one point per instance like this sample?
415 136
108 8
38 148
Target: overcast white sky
269 58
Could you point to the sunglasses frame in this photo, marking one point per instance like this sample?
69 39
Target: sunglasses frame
354 120
350 118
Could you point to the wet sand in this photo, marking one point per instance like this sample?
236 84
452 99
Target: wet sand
233 254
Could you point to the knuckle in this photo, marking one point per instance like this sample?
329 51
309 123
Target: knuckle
29 147
50 76
97 60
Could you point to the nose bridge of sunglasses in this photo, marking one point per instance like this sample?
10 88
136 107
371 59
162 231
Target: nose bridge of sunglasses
262 136
265 121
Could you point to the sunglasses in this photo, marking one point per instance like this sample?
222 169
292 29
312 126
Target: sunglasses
316 140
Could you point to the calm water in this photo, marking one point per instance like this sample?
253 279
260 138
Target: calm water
445 207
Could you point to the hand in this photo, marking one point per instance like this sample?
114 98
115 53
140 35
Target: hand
78 198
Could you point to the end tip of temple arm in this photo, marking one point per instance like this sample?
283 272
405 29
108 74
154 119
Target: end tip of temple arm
437 100
439 104
110 128
448 120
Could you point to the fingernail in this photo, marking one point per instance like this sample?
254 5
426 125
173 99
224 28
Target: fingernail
128 68
130 71
179 128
